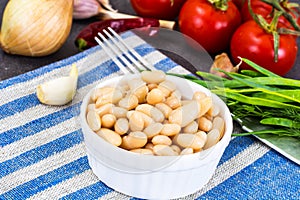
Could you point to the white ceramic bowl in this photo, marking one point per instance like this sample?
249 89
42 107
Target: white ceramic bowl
154 177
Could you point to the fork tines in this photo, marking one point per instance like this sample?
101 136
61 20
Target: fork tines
126 58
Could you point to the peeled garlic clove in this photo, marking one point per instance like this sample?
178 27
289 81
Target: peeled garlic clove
59 91
35 27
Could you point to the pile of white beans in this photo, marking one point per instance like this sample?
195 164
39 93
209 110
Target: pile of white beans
148 115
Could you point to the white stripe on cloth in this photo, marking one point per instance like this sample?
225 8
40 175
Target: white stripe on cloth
68 186
42 167
30 142
233 166
115 195
96 58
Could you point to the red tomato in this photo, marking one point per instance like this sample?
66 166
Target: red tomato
252 42
258 7
239 3
210 27
265 10
159 9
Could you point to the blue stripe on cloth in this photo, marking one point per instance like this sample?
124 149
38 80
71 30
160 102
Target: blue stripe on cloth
97 73
18 105
165 64
40 153
134 198
38 125
236 145
271 177
48 180
91 192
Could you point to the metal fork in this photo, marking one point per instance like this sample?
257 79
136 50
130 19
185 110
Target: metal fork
125 57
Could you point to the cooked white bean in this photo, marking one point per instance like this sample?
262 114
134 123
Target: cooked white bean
149 146
157 115
142 151
170 129
138 88
155 76
164 150
219 123
134 140
147 119
119 112
110 136
141 93
185 114
204 124
151 111
129 113
164 108
135 84
155 96
136 121
173 102
184 102
113 96
121 126
202 135
124 88
129 102
167 87
165 91
187 151
214 111
199 95
151 86
161 139
105 109
176 148
213 137
108 120
185 140
206 104
144 108
177 94
99 92
191 127
93 120
91 106
153 129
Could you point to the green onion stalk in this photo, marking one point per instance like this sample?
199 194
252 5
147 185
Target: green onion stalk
258 94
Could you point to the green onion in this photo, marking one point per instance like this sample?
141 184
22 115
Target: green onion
260 94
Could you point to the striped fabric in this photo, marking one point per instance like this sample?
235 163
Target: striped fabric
43 156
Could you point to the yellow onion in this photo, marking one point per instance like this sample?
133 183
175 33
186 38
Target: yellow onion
35 27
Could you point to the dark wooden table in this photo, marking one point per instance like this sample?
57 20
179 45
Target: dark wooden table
13 65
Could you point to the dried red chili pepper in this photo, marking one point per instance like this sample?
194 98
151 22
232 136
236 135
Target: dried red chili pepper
85 38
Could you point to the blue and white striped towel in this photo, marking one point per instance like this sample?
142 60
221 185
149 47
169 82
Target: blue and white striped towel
43 156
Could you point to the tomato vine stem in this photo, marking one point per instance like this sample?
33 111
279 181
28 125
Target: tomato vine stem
220 4
276 4
272 27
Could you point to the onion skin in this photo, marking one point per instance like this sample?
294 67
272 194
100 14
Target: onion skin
35 27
